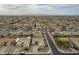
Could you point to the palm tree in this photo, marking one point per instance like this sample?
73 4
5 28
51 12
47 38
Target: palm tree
5 43
22 44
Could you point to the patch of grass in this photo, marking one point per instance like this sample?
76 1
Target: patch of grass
62 44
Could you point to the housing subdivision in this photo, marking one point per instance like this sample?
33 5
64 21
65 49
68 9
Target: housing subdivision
22 35
25 35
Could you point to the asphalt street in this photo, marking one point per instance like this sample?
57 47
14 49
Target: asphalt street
53 47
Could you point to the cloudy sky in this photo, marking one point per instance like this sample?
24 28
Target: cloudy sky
39 9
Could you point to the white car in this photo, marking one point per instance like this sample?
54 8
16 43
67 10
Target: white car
22 53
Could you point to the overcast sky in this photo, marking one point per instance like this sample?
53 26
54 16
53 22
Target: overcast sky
39 9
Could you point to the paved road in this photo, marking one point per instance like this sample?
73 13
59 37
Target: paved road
53 47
